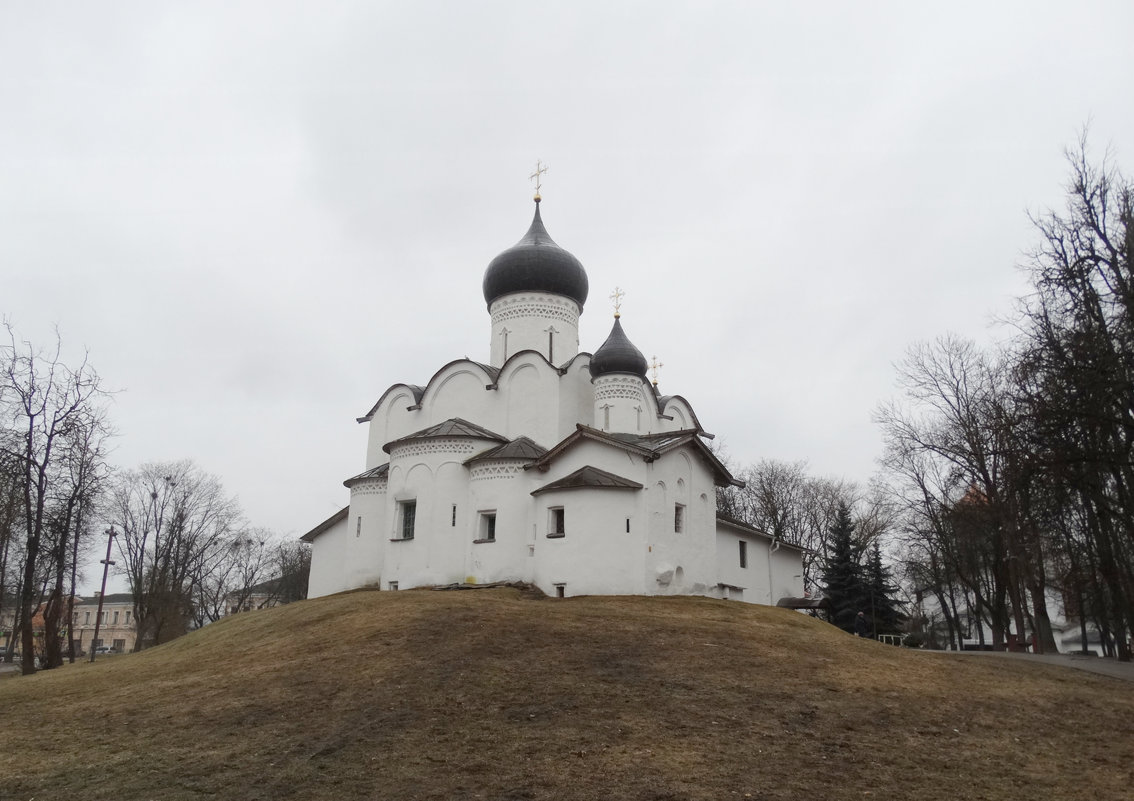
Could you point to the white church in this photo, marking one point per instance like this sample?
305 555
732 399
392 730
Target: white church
563 469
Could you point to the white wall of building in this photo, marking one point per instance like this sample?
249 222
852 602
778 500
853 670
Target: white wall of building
539 321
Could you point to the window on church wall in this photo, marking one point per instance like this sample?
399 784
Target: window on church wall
486 527
407 519
556 522
453 522
679 517
392 586
358 527
115 617
743 553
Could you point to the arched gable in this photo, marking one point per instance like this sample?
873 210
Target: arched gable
458 390
680 413
391 417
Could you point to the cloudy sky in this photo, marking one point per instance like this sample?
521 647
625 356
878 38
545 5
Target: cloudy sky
257 216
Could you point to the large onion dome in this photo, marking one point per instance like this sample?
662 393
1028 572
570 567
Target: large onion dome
536 264
617 355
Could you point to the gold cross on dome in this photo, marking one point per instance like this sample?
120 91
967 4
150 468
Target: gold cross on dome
540 169
617 297
654 366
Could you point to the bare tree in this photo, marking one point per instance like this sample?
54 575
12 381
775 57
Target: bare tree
234 575
176 524
1076 382
48 405
292 562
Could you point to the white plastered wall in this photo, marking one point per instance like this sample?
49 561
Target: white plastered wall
328 557
621 405
534 321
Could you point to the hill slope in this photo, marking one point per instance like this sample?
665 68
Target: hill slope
498 694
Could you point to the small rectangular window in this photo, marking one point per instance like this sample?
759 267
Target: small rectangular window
453 522
115 617
557 521
358 527
678 518
409 519
627 525
743 553
127 618
560 590
393 586
87 619
486 528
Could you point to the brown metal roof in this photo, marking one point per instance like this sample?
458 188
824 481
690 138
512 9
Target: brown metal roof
590 478
453 427
379 472
519 448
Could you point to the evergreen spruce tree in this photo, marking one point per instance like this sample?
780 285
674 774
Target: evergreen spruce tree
884 608
843 575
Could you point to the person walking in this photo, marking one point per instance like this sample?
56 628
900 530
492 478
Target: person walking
861 627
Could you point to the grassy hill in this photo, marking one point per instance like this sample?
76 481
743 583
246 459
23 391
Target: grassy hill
501 694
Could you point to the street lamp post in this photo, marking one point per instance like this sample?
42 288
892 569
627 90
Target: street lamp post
106 563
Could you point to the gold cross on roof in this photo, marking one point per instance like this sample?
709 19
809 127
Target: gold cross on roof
654 365
540 169
617 297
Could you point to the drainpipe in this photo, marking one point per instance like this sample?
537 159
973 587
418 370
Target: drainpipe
771 550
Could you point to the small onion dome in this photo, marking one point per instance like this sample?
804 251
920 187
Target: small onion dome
617 355
536 264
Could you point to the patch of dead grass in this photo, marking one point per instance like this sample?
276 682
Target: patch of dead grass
489 694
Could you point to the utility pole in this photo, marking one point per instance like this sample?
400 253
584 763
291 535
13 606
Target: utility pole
106 563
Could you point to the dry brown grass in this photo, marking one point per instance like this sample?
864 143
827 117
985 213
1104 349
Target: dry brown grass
497 694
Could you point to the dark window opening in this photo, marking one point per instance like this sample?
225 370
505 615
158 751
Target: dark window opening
743 553
409 518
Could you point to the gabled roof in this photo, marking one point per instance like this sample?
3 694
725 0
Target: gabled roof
805 603
453 427
520 448
330 522
109 598
415 390
381 471
590 478
740 527
649 446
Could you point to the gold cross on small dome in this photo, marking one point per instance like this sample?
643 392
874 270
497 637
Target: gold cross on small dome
540 169
654 366
617 297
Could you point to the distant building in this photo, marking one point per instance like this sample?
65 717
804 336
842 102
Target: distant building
265 595
117 630
564 469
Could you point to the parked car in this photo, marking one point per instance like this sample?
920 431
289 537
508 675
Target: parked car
104 649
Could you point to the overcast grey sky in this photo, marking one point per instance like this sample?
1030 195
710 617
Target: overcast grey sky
257 216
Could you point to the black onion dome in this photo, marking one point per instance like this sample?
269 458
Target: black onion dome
617 355
536 264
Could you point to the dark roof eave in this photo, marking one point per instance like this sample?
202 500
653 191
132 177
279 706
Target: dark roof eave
330 522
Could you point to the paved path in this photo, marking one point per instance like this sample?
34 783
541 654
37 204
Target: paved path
1091 664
